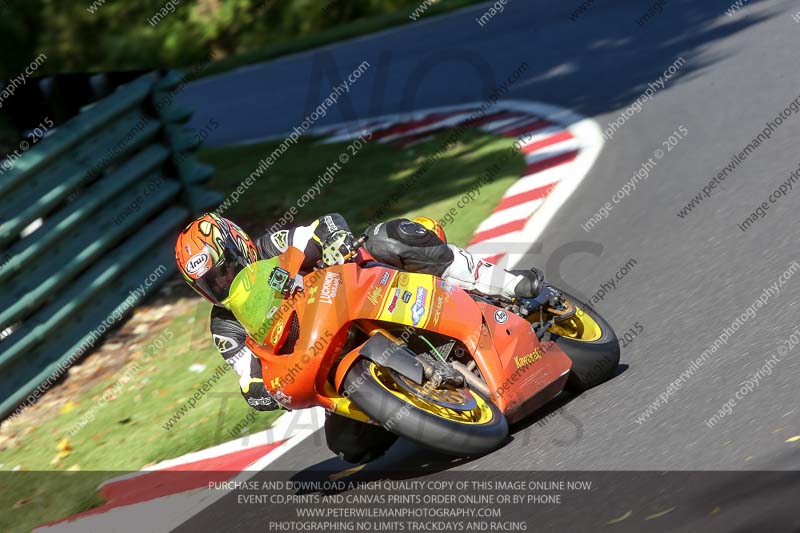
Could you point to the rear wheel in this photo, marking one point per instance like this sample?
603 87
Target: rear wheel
457 422
591 344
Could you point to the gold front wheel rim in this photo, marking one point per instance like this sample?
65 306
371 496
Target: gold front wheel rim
480 414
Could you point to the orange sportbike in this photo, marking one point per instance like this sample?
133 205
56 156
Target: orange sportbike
422 358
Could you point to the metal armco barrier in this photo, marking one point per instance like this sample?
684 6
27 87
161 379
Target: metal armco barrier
87 217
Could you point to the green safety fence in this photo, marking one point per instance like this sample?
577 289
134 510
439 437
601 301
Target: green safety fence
88 218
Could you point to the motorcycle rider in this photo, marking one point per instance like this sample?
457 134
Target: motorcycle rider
211 250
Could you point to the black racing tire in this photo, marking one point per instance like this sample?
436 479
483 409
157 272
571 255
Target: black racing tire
421 426
356 442
593 362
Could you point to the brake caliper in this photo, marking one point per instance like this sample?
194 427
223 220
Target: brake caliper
440 373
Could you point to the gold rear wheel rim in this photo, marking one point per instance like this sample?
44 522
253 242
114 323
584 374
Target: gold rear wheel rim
580 326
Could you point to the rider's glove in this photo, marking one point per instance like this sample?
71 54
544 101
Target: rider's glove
258 397
337 246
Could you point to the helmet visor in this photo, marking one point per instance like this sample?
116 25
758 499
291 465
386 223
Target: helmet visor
216 283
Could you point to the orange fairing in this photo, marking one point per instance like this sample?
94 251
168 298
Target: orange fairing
517 366
520 372
344 365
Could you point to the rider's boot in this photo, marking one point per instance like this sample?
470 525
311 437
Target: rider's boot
475 274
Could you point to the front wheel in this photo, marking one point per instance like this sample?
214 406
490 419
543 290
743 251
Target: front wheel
591 344
456 422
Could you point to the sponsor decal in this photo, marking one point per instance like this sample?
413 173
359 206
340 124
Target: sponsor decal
446 286
198 264
412 228
329 223
277 329
330 286
406 296
375 295
437 309
224 344
393 304
501 316
255 402
275 383
528 359
312 295
281 239
377 229
385 278
418 309
402 279
282 398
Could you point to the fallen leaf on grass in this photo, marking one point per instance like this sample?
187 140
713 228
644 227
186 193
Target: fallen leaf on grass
67 407
64 449
20 503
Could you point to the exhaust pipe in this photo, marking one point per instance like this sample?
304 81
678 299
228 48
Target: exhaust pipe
472 380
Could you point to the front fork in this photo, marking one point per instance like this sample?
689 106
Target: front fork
338 399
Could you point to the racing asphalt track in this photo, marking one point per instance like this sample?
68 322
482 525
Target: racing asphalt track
693 277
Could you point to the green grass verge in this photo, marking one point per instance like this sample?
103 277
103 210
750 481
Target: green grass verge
348 30
127 431
370 178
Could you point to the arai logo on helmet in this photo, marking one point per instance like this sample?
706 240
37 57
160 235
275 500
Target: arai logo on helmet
197 264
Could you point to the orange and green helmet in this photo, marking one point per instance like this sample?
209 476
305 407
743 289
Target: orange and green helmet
210 252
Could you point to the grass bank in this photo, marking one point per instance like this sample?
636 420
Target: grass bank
173 357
